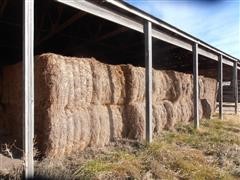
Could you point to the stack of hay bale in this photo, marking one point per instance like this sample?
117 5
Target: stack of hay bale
82 102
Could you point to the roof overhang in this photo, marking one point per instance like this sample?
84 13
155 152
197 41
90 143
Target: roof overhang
126 14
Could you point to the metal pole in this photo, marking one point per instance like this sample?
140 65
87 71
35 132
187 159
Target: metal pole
196 87
220 88
148 79
235 79
28 91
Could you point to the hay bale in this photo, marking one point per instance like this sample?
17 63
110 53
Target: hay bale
116 121
117 84
166 86
70 80
135 114
163 86
184 105
163 118
184 110
210 92
101 124
160 118
108 84
135 83
76 129
175 80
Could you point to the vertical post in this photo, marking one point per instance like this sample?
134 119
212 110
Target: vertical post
148 79
196 86
220 87
235 81
28 90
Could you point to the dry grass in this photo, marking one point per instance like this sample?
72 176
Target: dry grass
212 152
114 164
184 163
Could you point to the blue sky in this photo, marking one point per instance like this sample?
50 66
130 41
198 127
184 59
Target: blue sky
216 22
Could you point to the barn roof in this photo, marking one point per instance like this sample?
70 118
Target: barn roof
130 16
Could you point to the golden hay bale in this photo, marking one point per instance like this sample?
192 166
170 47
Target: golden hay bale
163 118
135 114
76 129
210 92
162 83
167 85
108 84
116 114
135 83
70 79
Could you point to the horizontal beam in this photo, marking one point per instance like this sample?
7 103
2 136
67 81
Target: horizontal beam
208 54
215 57
137 26
103 13
148 18
227 62
172 40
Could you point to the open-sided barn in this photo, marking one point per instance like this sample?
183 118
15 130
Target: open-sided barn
86 72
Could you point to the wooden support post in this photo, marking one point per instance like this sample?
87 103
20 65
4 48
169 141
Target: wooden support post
235 81
28 91
148 79
196 86
220 87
